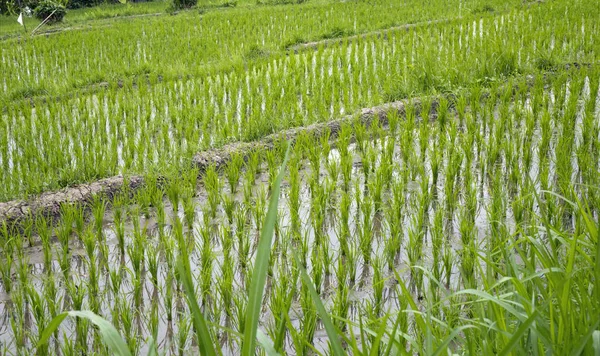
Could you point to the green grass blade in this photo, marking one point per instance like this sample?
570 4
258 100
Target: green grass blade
205 344
110 336
442 348
261 266
496 300
585 339
518 334
152 347
332 332
266 343
51 328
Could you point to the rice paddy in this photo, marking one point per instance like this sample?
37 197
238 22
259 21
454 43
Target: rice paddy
462 218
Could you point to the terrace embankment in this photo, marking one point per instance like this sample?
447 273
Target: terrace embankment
49 204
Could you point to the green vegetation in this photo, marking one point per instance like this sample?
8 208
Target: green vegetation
463 221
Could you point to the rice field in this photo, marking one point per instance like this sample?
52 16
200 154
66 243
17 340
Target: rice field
462 218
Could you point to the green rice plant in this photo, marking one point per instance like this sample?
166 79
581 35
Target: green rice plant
18 329
213 186
327 257
351 261
119 225
229 206
367 156
116 279
361 136
365 231
168 296
378 286
206 274
376 186
248 188
343 225
341 303
437 243
183 330
316 262
343 141
226 288
242 238
189 211
447 263
314 158
64 261
415 256
153 322
317 211
6 273
233 170
152 261
38 309
272 165
45 233
280 302
258 209
253 163
333 169
294 195
173 192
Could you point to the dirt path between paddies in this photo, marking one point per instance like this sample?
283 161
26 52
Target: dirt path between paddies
48 204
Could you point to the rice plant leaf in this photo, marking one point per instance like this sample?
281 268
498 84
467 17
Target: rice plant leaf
152 347
110 336
392 340
442 348
584 340
596 342
261 266
266 343
496 300
378 338
205 344
332 332
419 319
518 334
51 328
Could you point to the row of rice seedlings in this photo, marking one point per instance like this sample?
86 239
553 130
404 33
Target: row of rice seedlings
229 37
444 248
142 130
